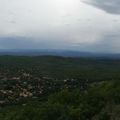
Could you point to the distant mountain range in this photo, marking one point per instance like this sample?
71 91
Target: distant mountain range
62 53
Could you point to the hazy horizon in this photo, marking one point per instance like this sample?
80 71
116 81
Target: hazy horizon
77 25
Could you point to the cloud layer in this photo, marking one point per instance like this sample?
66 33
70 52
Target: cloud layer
110 6
84 25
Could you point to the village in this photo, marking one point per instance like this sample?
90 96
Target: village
18 89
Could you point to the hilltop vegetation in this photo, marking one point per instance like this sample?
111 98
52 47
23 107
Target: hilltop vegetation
101 102
58 88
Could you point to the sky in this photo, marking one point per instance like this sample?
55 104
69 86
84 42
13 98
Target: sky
81 25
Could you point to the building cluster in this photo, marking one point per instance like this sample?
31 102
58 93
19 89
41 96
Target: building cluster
15 89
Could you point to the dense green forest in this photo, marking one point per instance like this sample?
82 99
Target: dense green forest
60 67
58 88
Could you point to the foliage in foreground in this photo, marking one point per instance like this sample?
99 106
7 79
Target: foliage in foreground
100 102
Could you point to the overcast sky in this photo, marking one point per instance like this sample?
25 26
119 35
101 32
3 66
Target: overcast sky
84 25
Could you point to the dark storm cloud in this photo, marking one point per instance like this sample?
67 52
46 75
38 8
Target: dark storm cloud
28 43
108 43
110 6
15 42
